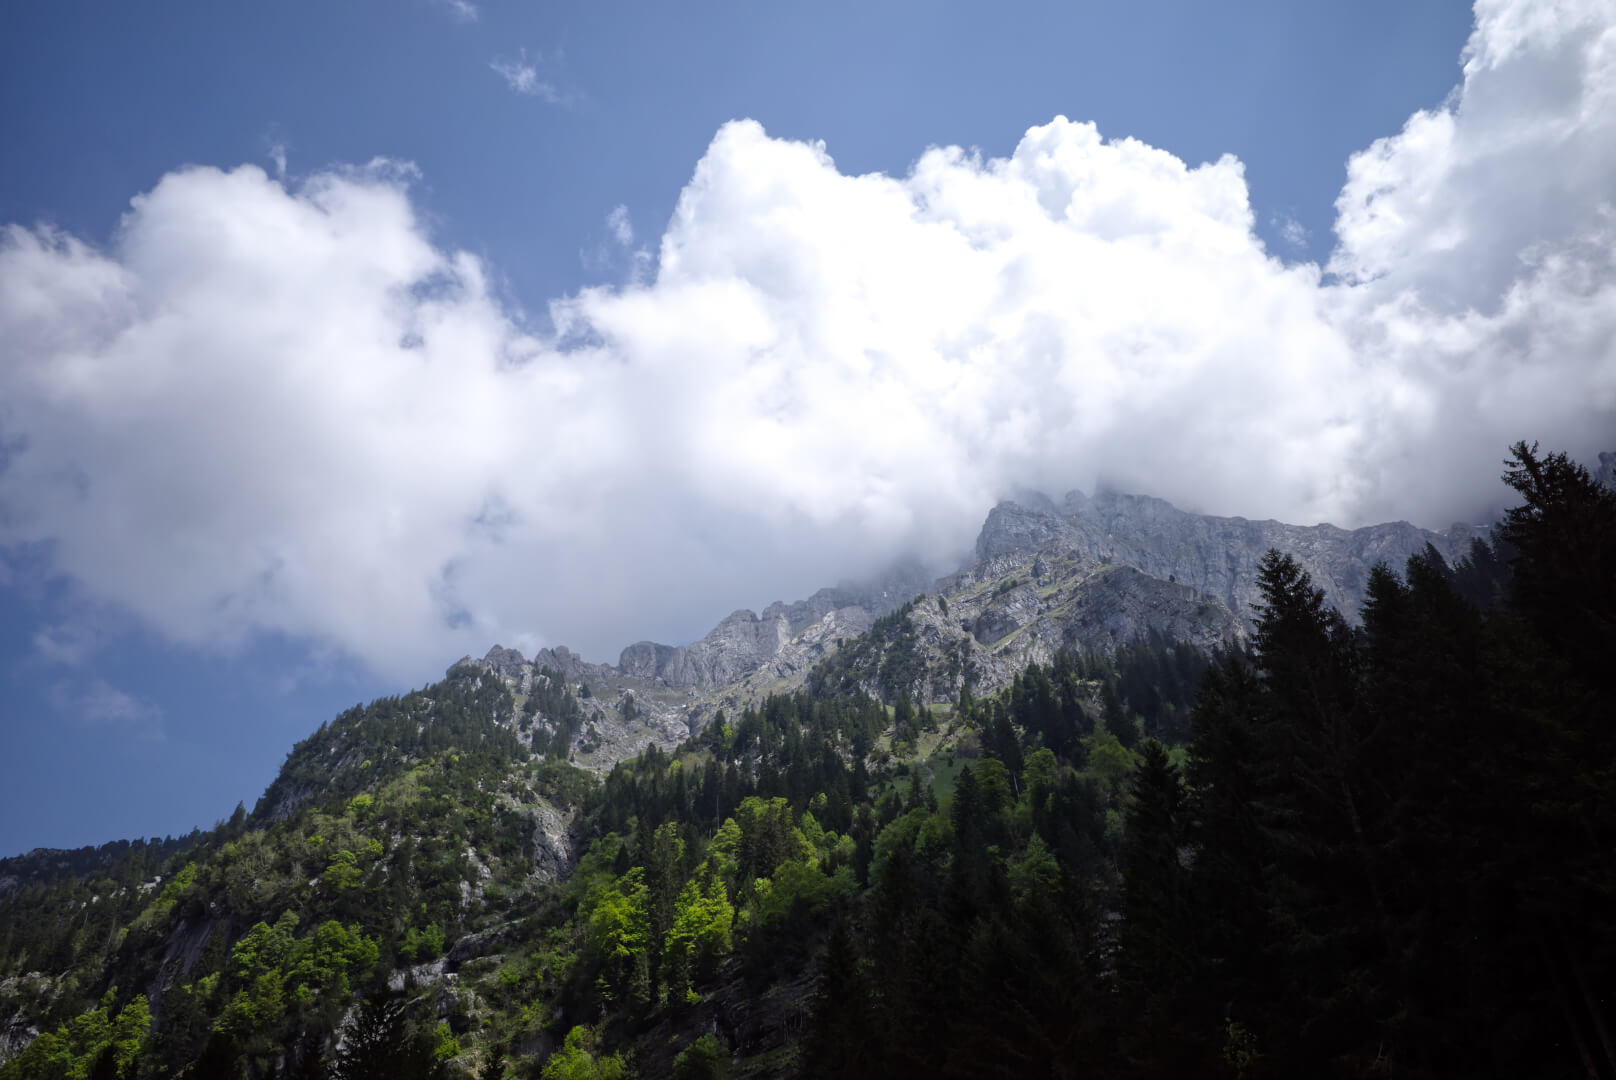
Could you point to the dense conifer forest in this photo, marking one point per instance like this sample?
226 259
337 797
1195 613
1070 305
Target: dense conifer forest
1354 851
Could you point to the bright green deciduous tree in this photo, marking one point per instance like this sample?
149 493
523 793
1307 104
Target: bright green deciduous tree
620 937
700 933
577 1060
90 1042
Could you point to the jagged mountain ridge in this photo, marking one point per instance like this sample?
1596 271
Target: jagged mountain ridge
744 641
1088 573
1216 556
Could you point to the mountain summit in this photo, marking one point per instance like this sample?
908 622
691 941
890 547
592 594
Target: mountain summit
1215 556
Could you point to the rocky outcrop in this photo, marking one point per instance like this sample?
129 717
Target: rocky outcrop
282 800
569 663
1217 557
511 666
185 944
736 646
1119 605
15 1035
23 997
745 642
1012 609
553 854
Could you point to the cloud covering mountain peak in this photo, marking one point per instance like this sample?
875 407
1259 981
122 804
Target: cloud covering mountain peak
283 407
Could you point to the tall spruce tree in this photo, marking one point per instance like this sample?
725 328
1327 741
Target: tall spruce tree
1155 957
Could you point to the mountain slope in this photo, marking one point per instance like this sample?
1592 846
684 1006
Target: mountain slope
940 845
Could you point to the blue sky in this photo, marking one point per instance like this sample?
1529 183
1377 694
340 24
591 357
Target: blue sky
509 333
103 99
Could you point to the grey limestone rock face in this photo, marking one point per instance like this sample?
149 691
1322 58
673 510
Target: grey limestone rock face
739 644
1012 529
644 659
184 948
899 584
607 736
745 642
427 974
1120 605
1009 612
510 666
553 854
1013 609
1217 557
569 663
507 662
16 1030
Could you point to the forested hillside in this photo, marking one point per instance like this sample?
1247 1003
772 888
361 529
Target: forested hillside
1376 850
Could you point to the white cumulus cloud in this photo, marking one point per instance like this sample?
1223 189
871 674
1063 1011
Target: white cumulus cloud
285 409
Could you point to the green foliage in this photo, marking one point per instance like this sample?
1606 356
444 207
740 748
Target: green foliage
700 933
1035 872
177 885
552 700
703 1059
564 783
422 944
1109 761
886 659
580 1059
382 1042
394 734
843 1040
1156 949
796 887
284 978
94 1043
342 872
445 1045
620 937
1369 807
385 845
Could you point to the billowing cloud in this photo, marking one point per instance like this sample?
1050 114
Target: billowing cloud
285 409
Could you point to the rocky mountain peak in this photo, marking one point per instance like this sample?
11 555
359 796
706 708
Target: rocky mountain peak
1216 557
507 662
1087 572
1012 528
744 642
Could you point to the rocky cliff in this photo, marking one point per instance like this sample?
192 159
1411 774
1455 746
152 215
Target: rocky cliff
1085 573
1217 557
745 642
